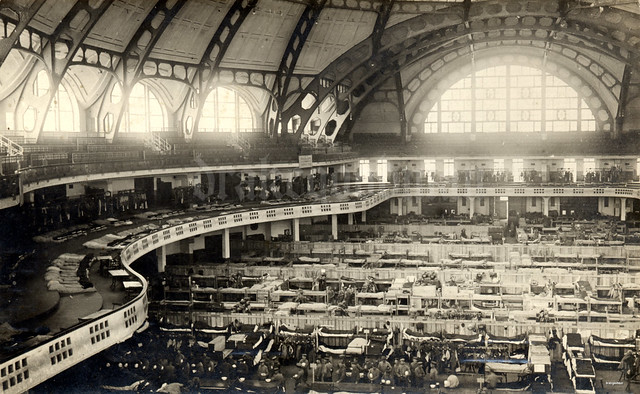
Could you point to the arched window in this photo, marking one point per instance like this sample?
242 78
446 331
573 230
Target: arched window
225 111
62 112
145 113
510 98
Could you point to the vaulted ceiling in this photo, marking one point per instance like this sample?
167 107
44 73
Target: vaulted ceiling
300 52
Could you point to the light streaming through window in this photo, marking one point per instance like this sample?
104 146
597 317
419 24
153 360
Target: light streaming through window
145 113
510 98
61 115
225 111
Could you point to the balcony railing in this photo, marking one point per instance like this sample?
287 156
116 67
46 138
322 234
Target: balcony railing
10 147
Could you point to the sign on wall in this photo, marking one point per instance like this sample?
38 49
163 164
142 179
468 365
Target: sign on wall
305 161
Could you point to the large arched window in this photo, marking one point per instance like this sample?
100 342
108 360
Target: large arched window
510 98
62 112
225 111
145 113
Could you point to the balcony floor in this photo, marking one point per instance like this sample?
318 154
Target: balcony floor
30 305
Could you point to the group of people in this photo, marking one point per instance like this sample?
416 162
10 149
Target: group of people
483 176
613 174
375 371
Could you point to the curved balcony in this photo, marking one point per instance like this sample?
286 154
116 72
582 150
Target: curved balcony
96 333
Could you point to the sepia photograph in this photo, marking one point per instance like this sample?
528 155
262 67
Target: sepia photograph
320 196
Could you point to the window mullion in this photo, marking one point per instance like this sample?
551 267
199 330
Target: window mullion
508 96
543 100
237 114
216 110
147 115
579 121
473 99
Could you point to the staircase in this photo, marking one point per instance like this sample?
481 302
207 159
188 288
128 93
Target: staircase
157 143
9 147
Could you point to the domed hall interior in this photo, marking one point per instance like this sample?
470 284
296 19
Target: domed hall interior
361 196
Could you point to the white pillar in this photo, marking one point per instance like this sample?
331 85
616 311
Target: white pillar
350 218
364 216
399 206
226 244
244 233
545 206
623 208
161 255
296 229
472 207
334 226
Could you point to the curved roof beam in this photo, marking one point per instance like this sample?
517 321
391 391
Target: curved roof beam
211 59
362 68
381 22
70 33
321 86
290 58
138 49
57 54
423 49
25 14
377 80
369 81
221 40
413 50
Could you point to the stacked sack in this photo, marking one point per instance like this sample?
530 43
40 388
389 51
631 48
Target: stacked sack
62 275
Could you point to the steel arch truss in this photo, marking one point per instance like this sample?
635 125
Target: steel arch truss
298 38
56 53
454 53
92 56
202 79
448 26
13 28
133 63
329 86
509 28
